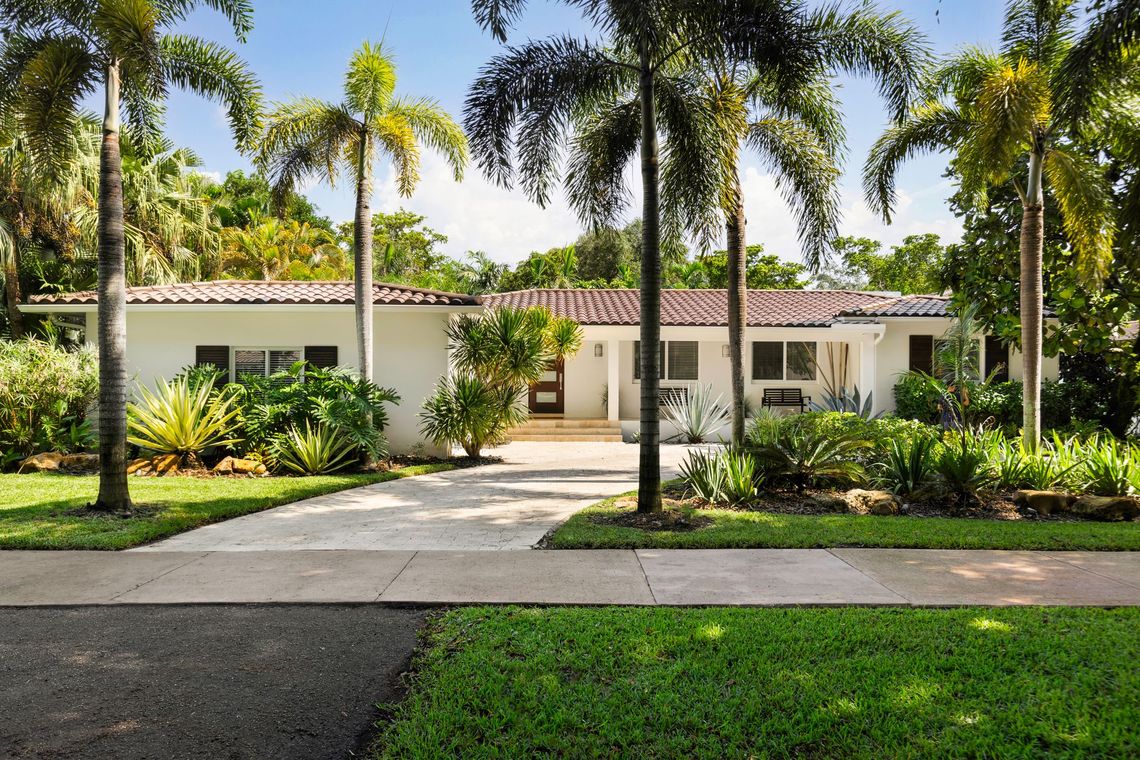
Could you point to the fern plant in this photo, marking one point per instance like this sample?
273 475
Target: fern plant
178 418
313 450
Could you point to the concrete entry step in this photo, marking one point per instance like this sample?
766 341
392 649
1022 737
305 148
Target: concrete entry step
567 437
562 422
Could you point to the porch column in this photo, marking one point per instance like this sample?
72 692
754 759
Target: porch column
613 381
867 370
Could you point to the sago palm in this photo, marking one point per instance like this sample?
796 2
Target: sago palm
310 137
533 101
58 52
1018 114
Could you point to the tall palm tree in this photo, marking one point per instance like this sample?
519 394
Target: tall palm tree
528 100
56 53
310 137
1018 115
794 126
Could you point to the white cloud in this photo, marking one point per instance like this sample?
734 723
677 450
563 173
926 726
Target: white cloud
478 215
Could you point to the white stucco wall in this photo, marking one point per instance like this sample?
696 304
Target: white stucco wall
410 347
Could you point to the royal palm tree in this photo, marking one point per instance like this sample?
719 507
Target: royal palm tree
795 127
55 54
310 137
1018 114
530 99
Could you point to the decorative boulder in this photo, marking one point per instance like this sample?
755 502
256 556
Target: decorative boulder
140 467
225 467
829 502
1108 508
166 464
1044 502
79 464
47 462
246 466
875 502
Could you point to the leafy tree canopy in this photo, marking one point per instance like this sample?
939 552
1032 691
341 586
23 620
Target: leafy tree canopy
914 266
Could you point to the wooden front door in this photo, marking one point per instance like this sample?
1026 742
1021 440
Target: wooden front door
548 395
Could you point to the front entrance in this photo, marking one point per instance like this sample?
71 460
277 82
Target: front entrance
548 395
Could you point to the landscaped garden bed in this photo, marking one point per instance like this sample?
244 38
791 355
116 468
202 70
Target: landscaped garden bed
715 682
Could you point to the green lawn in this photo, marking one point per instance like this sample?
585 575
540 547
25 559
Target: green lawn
36 511
739 529
715 682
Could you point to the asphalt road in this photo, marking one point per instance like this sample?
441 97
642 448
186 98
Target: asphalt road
198 681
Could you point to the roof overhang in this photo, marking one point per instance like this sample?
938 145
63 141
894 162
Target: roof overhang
51 308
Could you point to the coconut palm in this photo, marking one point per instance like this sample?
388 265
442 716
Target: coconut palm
529 101
310 137
1018 114
794 126
58 52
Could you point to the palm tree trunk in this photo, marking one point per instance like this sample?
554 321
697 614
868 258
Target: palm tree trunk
737 309
112 314
1032 301
12 292
362 254
649 468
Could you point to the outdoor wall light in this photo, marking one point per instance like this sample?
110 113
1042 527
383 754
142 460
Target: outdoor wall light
597 349
724 350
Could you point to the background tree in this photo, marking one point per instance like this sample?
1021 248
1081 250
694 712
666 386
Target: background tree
240 196
273 249
913 266
1016 110
56 53
310 137
762 271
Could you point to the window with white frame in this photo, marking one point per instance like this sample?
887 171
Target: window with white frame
784 360
263 362
679 360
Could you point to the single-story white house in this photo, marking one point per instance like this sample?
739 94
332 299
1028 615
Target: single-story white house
862 339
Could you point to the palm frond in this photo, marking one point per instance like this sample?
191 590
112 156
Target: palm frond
1040 31
806 176
304 137
1087 211
1011 113
929 127
215 73
238 12
1098 60
52 86
435 128
604 144
395 136
497 15
370 80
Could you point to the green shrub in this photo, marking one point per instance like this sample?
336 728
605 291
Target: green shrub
916 398
704 473
879 432
178 419
1109 468
312 451
45 391
1073 402
998 401
335 397
741 476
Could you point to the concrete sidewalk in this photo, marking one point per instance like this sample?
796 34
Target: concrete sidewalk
747 577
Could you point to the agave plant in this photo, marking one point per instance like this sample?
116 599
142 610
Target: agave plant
909 466
313 451
848 401
697 414
178 418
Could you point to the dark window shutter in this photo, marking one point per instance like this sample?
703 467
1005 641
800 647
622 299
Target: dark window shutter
218 356
997 357
922 353
321 356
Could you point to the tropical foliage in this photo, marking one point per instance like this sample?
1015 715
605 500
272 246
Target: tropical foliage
182 418
697 413
312 451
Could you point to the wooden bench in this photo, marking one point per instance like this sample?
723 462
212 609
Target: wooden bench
785 397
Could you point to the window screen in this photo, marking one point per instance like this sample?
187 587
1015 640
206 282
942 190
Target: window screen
921 353
767 360
249 361
282 359
801 360
682 360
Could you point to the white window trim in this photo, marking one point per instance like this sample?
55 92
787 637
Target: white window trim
665 362
234 349
784 379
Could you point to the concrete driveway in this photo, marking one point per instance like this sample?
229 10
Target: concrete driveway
510 505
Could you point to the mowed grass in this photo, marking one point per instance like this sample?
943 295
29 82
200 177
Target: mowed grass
741 529
825 683
38 511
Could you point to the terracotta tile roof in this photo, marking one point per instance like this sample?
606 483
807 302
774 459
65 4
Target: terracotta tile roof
267 292
904 306
702 308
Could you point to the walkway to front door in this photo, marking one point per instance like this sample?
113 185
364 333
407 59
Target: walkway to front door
510 505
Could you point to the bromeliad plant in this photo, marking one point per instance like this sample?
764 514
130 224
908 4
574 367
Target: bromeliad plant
179 419
313 451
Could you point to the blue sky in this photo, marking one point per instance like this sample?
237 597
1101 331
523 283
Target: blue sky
301 48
